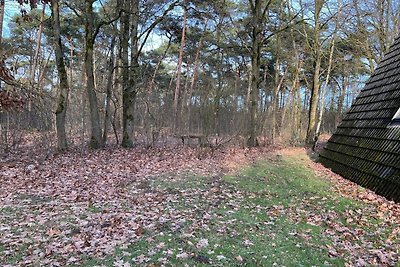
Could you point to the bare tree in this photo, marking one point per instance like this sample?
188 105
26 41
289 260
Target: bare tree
109 88
179 71
2 4
90 36
316 47
258 13
62 76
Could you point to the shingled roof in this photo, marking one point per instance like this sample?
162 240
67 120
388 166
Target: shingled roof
366 146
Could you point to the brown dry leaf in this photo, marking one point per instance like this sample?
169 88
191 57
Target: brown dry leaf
381 256
239 258
53 232
113 189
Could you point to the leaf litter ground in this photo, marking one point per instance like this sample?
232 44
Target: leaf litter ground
190 207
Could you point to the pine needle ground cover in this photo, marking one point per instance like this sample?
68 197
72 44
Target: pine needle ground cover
172 208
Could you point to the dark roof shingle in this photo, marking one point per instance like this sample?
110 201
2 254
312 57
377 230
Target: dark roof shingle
365 148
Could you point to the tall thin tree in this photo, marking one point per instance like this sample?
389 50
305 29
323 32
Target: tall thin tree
179 70
2 3
62 76
317 54
130 92
257 16
96 140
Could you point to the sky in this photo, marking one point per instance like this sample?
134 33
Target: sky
11 8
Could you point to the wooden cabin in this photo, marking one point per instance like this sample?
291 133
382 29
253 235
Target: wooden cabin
366 146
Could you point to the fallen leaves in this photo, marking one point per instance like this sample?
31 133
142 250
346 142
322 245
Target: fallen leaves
202 244
72 205
239 258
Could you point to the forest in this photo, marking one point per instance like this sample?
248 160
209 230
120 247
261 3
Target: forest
187 133
144 72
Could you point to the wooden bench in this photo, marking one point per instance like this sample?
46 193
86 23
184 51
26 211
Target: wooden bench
201 139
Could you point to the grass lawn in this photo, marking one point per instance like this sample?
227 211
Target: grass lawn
274 212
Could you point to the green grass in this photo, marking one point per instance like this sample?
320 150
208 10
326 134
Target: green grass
282 178
252 234
275 212
33 199
184 181
17 256
285 184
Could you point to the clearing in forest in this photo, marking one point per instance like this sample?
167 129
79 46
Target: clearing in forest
184 207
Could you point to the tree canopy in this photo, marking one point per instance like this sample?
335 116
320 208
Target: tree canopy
258 72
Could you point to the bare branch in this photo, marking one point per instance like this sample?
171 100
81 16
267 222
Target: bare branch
266 9
148 31
79 15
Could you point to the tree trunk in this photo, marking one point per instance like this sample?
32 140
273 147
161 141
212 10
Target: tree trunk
1 21
37 47
312 119
275 106
62 75
327 78
217 97
292 93
255 71
1 29
183 104
130 89
179 73
152 123
194 75
95 135
124 53
43 70
109 87
342 93
71 55
314 101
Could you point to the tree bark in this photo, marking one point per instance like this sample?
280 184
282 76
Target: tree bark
130 28
184 101
38 44
109 87
1 21
275 106
314 101
179 72
124 53
63 79
292 93
312 119
257 16
2 4
342 93
130 85
275 93
90 35
194 77
327 78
